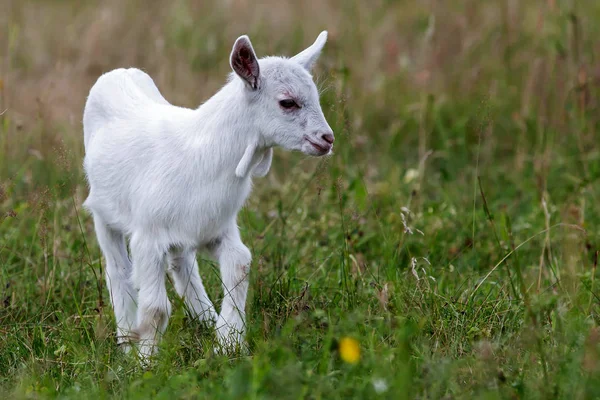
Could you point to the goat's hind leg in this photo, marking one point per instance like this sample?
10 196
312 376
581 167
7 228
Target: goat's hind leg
118 280
183 270
154 309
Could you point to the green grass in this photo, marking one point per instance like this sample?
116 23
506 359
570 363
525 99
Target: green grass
454 234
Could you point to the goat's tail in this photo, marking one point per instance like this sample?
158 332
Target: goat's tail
117 92
89 125
95 112
107 98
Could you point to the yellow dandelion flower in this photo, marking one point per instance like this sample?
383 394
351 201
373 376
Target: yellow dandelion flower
349 350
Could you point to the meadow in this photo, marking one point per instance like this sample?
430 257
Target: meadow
453 235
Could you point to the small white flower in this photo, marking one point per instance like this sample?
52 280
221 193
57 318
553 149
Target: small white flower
380 385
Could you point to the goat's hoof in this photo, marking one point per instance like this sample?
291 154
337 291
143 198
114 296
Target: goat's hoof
146 351
126 341
209 317
230 341
124 347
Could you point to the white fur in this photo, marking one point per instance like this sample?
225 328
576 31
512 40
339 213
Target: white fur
174 179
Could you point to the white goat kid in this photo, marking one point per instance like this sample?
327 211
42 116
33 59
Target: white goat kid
173 180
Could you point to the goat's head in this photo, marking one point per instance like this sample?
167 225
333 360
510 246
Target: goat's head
283 98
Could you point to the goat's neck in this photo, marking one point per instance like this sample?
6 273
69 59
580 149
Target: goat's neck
227 123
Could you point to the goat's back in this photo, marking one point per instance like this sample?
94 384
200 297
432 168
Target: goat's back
117 94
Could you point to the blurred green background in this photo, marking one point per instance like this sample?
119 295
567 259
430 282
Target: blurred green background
454 233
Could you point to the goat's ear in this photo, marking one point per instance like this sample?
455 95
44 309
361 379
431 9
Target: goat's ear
243 61
309 56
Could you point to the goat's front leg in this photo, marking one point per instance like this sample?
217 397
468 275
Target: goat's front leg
154 309
234 260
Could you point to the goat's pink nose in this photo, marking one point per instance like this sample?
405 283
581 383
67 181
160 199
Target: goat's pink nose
328 137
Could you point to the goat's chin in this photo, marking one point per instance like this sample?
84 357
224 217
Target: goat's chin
311 150
318 154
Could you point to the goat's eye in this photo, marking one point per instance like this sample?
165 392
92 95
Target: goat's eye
288 103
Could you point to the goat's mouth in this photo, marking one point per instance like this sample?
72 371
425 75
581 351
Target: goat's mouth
321 148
